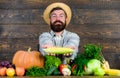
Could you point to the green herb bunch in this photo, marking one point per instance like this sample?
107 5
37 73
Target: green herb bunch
51 61
36 71
80 61
92 51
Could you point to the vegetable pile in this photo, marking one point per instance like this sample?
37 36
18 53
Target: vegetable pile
90 62
50 68
84 63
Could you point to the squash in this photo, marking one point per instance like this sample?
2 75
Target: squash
27 59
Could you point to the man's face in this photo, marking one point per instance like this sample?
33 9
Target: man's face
58 20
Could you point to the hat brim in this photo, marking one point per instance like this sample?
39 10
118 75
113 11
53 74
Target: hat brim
65 7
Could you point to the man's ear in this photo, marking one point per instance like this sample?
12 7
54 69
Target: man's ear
66 20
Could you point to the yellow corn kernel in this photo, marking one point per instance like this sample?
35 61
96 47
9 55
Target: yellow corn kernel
112 72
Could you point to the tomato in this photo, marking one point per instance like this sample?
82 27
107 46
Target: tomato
62 66
20 71
3 71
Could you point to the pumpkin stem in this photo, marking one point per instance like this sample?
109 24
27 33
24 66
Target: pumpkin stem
29 49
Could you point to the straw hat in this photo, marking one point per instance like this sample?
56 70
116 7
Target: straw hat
65 7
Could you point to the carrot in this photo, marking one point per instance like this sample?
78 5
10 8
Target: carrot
74 66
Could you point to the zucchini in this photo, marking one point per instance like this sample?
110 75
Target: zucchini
56 72
51 70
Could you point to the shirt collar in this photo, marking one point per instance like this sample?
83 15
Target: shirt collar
63 34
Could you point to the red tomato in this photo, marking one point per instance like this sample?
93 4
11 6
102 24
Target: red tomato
62 66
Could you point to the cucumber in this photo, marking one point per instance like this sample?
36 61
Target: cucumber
51 70
56 72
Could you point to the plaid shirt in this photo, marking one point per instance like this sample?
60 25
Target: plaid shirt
66 39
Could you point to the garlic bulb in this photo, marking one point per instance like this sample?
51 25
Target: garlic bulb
66 72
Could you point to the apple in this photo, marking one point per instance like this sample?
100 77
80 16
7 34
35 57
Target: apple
20 71
10 72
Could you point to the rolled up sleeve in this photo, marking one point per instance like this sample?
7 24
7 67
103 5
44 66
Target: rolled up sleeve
44 39
73 40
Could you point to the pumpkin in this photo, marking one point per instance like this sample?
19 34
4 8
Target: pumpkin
27 59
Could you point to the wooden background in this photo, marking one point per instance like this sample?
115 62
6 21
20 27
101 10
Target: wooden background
95 21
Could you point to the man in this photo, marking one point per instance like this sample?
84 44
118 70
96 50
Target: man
58 16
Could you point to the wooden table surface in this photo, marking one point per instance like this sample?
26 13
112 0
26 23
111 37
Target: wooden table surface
64 77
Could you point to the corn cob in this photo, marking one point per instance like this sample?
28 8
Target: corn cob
105 65
112 72
58 50
107 69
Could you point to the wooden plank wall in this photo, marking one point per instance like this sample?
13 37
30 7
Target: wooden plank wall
95 21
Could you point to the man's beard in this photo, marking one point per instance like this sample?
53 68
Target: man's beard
57 27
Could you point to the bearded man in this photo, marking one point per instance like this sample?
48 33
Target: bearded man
57 16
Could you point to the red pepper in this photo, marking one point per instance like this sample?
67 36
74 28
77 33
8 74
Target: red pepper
85 67
62 66
73 67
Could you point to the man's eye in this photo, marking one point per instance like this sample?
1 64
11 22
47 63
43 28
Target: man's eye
53 15
62 15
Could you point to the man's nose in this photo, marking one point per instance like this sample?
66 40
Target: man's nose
57 18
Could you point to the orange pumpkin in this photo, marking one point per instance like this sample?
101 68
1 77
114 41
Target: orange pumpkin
28 59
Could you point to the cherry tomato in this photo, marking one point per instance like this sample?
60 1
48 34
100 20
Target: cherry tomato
62 66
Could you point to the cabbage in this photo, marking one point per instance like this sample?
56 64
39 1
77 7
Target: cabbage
99 72
92 65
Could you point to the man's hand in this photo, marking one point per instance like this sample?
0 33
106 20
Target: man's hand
51 54
47 46
72 47
67 54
